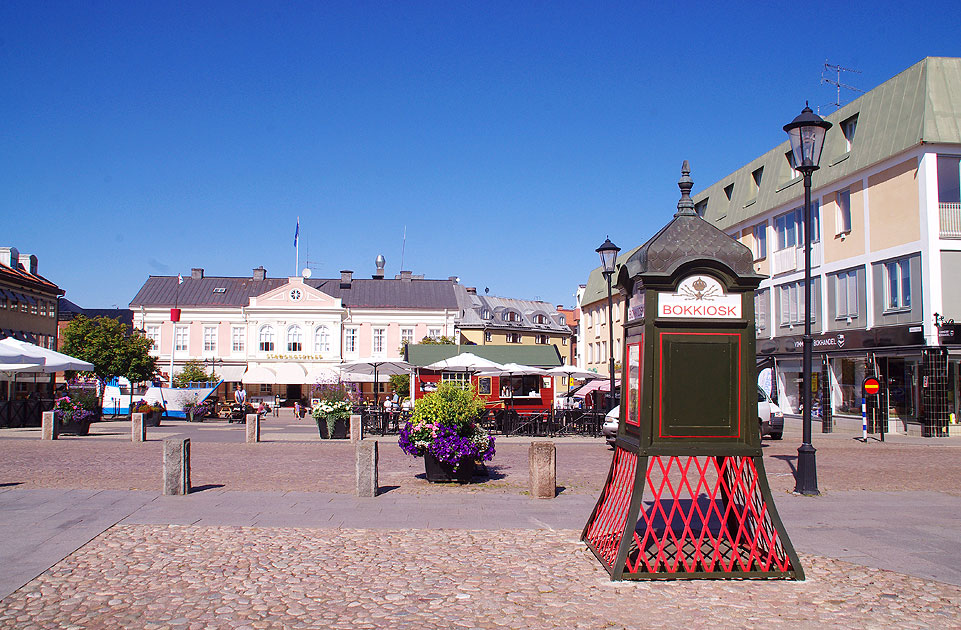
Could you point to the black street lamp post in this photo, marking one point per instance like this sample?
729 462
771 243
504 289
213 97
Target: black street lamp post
608 252
806 133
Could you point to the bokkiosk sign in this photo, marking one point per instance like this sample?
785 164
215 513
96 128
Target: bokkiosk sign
686 495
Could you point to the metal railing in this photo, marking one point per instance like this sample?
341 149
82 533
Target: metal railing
581 422
950 219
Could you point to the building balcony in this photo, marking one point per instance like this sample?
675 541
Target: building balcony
792 259
950 219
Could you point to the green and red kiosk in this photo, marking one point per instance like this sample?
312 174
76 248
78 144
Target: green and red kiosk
686 495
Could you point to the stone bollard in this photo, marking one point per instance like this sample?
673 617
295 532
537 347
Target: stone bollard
50 430
543 470
138 430
366 460
176 468
356 428
253 428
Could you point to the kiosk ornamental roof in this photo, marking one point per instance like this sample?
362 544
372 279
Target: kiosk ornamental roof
689 239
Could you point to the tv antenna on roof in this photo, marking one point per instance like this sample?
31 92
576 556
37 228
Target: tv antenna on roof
836 82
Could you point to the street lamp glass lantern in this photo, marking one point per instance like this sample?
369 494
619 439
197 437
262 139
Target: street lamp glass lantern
806 133
608 252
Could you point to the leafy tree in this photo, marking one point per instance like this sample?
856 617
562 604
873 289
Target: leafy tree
193 372
113 349
401 384
443 340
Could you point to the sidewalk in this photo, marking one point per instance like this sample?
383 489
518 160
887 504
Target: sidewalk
296 559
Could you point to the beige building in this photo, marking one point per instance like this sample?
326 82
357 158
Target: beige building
28 301
886 252
593 351
491 320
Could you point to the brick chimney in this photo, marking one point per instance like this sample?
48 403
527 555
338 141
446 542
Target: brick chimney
346 277
259 273
472 290
197 273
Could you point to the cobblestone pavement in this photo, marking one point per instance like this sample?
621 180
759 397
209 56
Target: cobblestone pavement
194 577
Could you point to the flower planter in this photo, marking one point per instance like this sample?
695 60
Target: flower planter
340 429
195 417
151 419
442 472
75 427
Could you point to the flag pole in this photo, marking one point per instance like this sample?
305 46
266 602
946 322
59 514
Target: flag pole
297 247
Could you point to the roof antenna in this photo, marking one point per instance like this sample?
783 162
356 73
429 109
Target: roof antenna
403 247
837 82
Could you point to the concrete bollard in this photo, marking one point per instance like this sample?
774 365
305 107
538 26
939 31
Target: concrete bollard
366 461
176 469
138 430
356 428
50 430
253 428
543 470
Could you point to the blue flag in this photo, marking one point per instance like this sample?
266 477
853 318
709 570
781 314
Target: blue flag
297 232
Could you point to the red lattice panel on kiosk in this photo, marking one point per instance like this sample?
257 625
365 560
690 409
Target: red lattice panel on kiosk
705 514
606 529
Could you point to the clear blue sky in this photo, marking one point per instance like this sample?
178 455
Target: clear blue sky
510 138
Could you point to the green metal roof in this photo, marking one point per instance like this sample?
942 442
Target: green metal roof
545 356
920 105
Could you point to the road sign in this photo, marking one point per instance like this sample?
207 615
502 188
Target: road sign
871 386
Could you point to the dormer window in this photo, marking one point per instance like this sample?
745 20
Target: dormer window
540 319
729 191
789 156
756 176
848 127
562 319
511 316
700 208
485 314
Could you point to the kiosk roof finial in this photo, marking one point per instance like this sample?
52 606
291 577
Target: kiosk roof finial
685 206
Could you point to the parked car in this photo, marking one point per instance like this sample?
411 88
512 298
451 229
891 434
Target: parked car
769 416
609 430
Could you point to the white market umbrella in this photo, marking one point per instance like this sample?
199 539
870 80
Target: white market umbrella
53 361
368 367
464 362
572 371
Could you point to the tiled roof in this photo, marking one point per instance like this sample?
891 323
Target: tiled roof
473 306
35 281
537 356
163 291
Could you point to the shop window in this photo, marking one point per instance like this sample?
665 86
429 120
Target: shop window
461 379
266 388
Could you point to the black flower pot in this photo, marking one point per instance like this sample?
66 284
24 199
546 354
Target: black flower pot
442 472
75 427
340 429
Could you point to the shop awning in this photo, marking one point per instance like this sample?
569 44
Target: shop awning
231 373
259 375
290 373
322 374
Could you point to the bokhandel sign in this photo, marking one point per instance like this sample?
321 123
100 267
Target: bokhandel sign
699 297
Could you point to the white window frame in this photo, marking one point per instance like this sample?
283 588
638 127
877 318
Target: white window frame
210 339
897 285
843 220
378 341
322 339
181 338
791 297
350 340
238 339
153 334
266 338
846 294
434 333
488 336
406 336
295 339
761 318
759 241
